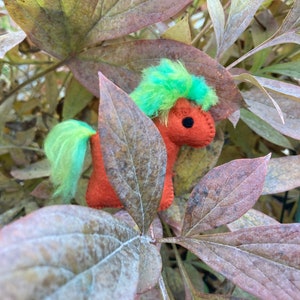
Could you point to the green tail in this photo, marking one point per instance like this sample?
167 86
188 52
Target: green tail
65 147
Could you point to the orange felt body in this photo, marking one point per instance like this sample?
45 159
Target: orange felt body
186 125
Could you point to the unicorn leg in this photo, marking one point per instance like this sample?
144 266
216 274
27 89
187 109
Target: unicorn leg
100 193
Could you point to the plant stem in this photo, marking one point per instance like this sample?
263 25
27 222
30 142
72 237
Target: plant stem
35 77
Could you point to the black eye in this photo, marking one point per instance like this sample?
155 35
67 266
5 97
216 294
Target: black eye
188 122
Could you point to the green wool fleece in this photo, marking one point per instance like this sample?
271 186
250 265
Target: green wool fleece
161 86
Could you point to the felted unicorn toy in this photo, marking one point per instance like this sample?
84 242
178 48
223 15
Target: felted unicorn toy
177 101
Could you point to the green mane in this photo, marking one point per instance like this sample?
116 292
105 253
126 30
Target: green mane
161 86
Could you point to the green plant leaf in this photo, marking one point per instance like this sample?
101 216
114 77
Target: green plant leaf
262 28
224 194
283 175
192 164
123 63
71 252
65 27
133 152
253 258
291 69
77 97
265 130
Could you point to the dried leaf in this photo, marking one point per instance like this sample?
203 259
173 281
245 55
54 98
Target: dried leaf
79 253
265 110
252 218
292 19
265 130
192 164
123 63
252 79
283 175
224 194
66 27
180 32
77 97
240 15
35 170
134 153
10 40
261 260
288 89
217 16
174 215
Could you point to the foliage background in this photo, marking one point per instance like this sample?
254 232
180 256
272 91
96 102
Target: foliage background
40 88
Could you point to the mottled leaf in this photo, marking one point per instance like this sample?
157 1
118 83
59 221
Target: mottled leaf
263 261
9 40
70 252
77 97
283 175
240 15
65 27
192 164
134 153
123 63
265 130
251 218
262 107
224 194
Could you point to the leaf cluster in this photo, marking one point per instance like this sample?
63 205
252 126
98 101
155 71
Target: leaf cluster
250 56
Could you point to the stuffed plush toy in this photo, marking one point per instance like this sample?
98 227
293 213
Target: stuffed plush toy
178 103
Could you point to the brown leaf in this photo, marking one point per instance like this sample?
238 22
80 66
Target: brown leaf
261 260
134 153
283 175
173 216
260 106
122 63
224 194
71 252
63 28
251 218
